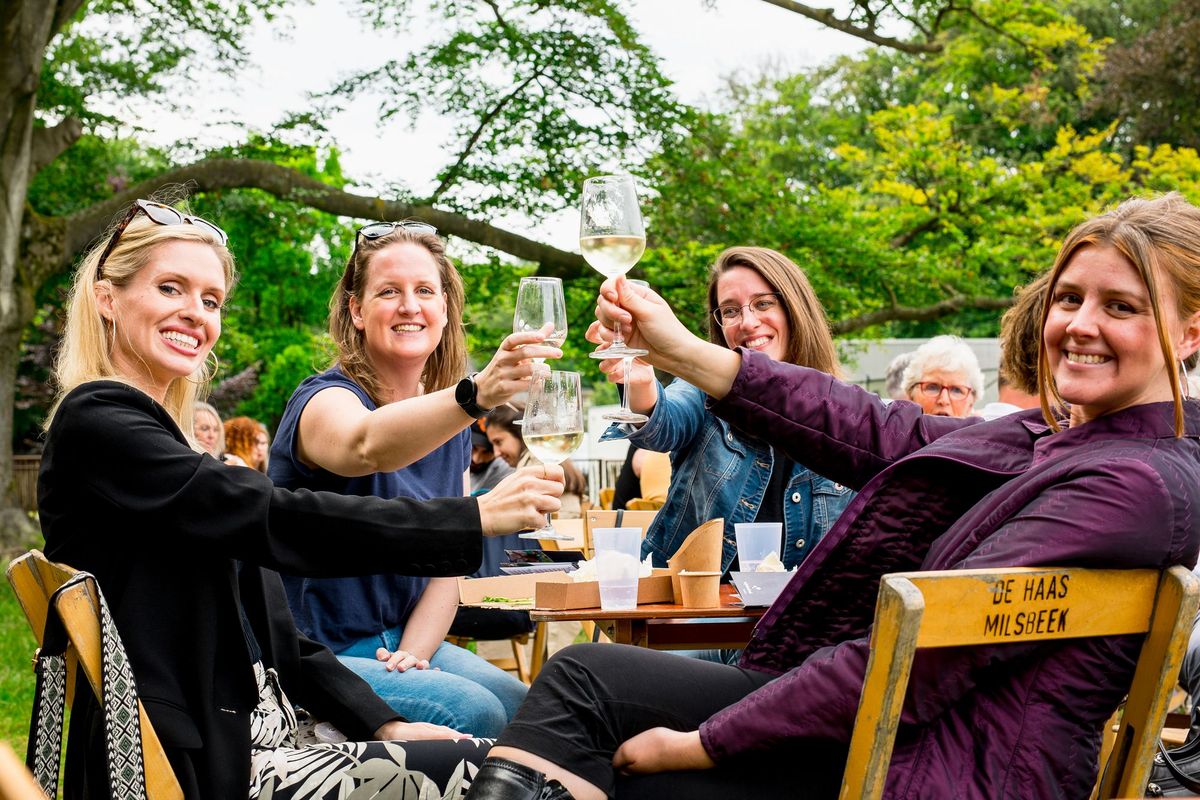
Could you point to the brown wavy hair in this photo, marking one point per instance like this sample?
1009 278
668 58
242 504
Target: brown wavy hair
446 365
810 344
1160 237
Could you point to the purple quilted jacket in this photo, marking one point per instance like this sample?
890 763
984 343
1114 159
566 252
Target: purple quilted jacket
1020 720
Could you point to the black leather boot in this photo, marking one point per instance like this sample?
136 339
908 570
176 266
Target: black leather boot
501 779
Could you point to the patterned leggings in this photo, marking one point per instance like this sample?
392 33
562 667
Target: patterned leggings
419 770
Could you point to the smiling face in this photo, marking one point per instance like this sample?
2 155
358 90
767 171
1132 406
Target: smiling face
207 430
766 330
1101 338
505 445
402 309
167 317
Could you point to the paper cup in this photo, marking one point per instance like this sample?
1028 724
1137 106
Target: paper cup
701 589
700 552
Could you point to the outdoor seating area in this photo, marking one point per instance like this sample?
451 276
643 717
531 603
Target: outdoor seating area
618 400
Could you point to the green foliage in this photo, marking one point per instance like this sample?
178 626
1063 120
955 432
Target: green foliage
16 678
896 180
541 95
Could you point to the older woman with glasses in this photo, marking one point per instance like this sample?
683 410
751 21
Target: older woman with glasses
760 300
944 377
185 548
390 418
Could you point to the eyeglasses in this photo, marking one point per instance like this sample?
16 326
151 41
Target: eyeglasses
732 315
163 215
957 393
378 230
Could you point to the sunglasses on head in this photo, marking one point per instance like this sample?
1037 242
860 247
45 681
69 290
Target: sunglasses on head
161 214
378 230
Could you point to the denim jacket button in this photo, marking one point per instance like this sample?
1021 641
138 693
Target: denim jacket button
799 544
729 437
837 487
795 497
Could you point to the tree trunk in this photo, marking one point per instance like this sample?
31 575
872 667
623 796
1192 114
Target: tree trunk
25 29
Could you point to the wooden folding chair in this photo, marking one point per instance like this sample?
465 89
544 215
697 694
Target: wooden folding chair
606 497
35 580
642 504
980 607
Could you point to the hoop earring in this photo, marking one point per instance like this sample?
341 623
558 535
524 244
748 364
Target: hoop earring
1184 388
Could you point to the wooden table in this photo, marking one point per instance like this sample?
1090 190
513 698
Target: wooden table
668 626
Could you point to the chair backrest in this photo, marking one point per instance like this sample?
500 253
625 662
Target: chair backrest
35 580
598 518
643 504
987 607
655 477
606 497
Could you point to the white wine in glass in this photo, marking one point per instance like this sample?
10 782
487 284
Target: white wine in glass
553 428
612 238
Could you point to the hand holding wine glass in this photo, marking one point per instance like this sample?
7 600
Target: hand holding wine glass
553 428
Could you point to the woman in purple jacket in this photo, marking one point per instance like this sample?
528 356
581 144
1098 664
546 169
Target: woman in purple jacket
1106 474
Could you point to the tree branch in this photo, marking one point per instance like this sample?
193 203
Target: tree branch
826 17
919 313
484 121
54 242
62 15
49 143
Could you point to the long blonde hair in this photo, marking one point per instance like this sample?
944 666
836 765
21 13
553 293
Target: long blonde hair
446 364
86 350
1160 237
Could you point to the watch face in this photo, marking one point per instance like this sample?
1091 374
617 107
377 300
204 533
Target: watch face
465 391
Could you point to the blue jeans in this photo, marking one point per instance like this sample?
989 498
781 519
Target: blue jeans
465 693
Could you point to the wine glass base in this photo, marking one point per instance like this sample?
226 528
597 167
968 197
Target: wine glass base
619 351
546 534
626 416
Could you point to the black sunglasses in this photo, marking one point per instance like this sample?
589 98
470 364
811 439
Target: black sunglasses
163 215
377 230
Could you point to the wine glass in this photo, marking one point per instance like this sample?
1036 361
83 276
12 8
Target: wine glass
540 300
553 428
612 239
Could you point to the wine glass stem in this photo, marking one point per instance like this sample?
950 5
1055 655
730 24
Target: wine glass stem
626 366
618 339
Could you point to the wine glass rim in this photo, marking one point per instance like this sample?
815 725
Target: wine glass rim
540 279
608 178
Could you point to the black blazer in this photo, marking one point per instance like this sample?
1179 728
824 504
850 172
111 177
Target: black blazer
123 496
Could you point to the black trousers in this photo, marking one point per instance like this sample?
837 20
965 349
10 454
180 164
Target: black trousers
589 698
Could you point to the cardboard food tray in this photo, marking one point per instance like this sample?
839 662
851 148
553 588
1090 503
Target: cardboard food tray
471 591
562 595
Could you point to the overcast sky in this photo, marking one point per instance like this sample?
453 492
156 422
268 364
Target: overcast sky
698 46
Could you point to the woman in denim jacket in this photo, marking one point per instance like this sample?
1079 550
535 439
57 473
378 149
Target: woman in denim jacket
760 300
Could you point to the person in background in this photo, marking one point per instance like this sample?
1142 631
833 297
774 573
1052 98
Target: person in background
944 377
210 433
628 484
505 435
486 469
185 550
760 300
1105 475
894 382
247 439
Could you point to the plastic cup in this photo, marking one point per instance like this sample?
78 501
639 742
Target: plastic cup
700 589
617 566
755 541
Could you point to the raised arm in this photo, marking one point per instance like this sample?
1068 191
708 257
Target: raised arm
339 435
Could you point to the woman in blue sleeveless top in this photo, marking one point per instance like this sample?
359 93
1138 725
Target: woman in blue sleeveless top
390 419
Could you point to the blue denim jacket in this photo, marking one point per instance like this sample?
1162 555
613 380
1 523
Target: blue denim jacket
717 472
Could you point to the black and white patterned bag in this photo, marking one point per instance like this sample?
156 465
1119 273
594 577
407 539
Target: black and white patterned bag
122 727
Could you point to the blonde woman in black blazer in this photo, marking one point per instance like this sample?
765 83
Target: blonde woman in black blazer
176 540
